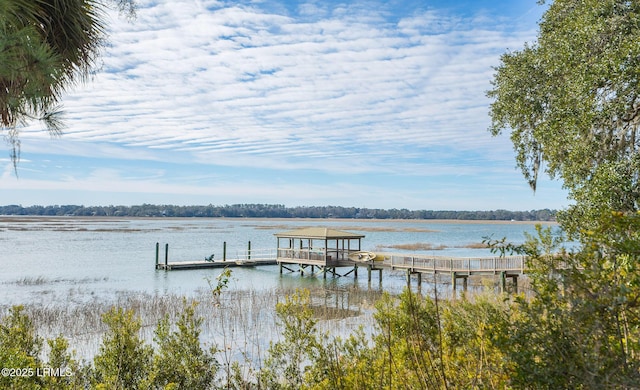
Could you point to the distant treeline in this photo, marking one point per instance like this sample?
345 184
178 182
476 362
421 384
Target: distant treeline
274 211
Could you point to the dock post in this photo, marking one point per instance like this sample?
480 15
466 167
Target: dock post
503 281
369 272
408 277
157 254
515 283
166 256
454 282
419 278
249 251
280 268
355 271
224 253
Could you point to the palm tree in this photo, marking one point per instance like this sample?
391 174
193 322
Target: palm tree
46 46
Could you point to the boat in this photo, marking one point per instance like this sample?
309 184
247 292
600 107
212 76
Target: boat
362 256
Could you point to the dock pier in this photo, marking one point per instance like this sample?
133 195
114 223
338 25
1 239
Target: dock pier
324 250
249 259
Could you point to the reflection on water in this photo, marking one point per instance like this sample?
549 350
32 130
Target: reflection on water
68 271
65 259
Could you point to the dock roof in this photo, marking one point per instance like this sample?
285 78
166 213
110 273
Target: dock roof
318 233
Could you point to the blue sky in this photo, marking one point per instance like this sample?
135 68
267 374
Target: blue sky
363 104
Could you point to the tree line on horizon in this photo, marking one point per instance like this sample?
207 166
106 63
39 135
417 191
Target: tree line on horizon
570 102
273 211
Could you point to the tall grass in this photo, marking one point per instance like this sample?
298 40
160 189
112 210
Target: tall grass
241 323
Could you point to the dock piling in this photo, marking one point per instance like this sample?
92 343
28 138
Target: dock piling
166 256
456 268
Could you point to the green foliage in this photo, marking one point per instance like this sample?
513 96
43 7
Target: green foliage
427 343
341 364
222 282
179 360
65 372
45 47
408 343
472 332
581 328
570 101
19 349
124 360
285 365
418 343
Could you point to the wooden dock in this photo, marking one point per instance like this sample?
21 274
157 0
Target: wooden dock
459 269
200 264
246 259
508 267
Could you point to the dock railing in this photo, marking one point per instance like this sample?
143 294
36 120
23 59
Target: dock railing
256 255
486 265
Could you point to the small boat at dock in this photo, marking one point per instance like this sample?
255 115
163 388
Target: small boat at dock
362 256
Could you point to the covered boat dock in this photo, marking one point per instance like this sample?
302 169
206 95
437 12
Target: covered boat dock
319 247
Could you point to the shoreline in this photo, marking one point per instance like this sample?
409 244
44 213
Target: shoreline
57 218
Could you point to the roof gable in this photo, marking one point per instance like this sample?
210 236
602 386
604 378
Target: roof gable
318 233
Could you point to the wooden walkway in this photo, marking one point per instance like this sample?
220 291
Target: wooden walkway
462 266
419 263
460 269
508 267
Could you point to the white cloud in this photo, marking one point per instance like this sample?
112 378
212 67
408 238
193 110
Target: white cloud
178 77
346 90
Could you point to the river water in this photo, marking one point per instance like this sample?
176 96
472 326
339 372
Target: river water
67 271
51 259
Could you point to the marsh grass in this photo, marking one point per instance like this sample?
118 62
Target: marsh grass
418 246
476 245
43 281
426 246
31 281
361 228
241 323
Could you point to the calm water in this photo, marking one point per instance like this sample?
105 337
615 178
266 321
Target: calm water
72 260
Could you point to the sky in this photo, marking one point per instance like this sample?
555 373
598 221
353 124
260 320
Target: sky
377 104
